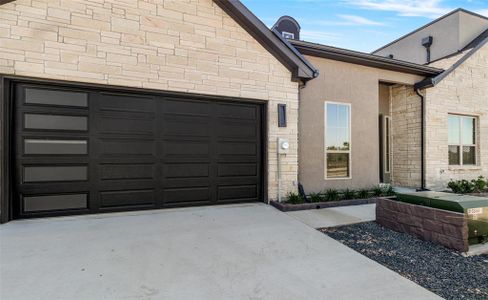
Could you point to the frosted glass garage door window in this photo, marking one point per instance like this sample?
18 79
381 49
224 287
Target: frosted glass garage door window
54 97
55 146
55 122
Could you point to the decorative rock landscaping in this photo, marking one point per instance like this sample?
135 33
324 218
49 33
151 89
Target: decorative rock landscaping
440 270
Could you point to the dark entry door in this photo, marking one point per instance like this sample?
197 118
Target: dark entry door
91 151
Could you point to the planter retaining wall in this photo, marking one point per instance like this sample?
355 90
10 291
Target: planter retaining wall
447 228
303 206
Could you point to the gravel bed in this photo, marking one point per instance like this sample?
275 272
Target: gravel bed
432 266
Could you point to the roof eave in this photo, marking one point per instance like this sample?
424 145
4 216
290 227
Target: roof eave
365 59
300 68
431 82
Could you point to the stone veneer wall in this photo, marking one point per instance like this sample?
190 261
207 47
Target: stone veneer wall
183 45
406 139
464 91
447 228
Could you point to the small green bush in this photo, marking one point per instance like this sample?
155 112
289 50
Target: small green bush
389 191
295 198
461 186
316 197
465 187
378 191
363 193
479 184
348 194
332 195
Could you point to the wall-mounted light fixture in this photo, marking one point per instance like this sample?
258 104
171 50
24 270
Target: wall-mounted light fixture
281 115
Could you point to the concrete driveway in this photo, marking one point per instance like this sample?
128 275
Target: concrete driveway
224 252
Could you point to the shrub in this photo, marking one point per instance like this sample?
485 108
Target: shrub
363 193
461 186
294 198
348 194
378 191
479 184
316 197
332 195
389 191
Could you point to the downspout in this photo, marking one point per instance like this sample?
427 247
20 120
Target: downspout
422 139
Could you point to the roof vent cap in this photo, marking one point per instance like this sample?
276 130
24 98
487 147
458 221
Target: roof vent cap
288 27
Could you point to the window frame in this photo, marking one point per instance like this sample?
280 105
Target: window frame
387 144
283 33
337 151
461 144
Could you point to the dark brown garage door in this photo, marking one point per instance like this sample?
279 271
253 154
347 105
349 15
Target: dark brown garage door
89 151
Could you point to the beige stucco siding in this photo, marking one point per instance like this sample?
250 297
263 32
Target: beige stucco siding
450 34
464 91
184 45
355 85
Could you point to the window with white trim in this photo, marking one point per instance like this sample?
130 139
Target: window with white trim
337 140
288 35
462 140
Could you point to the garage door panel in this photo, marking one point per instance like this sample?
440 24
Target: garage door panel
126 125
185 107
237 169
181 148
126 103
237 148
237 192
54 187
186 170
238 130
111 199
188 126
127 171
187 182
187 195
135 184
237 111
238 180
121 147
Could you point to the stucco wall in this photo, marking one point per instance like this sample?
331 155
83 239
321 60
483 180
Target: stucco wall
184 45
347 83
464 91
450 35
384 111
406 137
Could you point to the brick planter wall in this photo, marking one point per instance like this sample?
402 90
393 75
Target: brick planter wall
447 228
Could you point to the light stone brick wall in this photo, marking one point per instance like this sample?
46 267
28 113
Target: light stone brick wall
405 135
464 91
184 45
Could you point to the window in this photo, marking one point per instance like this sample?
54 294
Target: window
387 140
462 140
337 141
288 35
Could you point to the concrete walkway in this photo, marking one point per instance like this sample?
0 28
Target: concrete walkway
225 252
335 216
